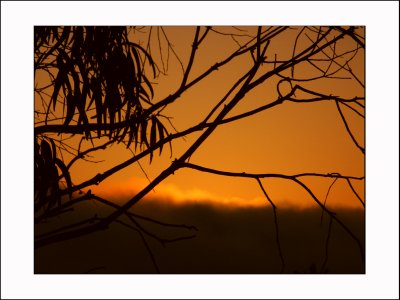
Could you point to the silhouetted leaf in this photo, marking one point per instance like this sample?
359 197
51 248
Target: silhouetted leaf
55 196
132 133
143 95
92 87
161 134
97 96
57 85
111 111
117 103
71 105
59 81
66 85
65 66
123 134
66 34
40 36
80 103
131 68
45 150
149 85
151 62
137 135
66 175
76 46
88 43
54 149
36 148
138 63
77 94
85 78
143 136
153 135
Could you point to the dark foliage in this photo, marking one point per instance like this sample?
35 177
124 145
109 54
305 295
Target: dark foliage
99 80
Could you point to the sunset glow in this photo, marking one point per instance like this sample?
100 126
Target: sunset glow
251 138
288 139
170 193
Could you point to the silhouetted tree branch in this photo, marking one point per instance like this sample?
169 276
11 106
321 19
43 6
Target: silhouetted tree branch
276 224
348 129
99 88
295 179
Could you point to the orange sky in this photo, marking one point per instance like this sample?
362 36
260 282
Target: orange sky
288 139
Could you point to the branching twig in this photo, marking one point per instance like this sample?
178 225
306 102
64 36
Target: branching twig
352 35
354 191
64 228
326 198
348 129
129 213
195 44
84 153
144 242
353 109
293 178
276 225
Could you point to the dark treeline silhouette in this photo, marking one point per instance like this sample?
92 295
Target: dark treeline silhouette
235 240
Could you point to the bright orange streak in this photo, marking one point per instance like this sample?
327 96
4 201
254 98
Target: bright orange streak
169 193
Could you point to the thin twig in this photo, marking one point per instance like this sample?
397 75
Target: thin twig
294 47
116 206
144 242
276 225
326 198
355 193
64 228
348 129
82 154
293 178
352 35
353 109
266 175
327 246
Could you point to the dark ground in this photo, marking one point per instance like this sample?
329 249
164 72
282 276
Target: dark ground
233 241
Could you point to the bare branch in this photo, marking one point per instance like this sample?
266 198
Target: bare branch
323 267
326 197
354 191
191 59
292 178
64 228
352 35
144 242
82 154
348 129
265 175
353 109
276 225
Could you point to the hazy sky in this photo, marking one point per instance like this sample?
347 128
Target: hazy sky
288 139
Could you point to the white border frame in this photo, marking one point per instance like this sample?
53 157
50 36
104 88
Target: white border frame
382 240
